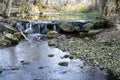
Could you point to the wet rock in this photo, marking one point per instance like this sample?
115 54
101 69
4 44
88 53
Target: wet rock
25 62
5 43
11 37
63 63
92 32
66 56
14 67
40 67
38 79
88 26
1 70
71 56
51 33
53 42
67 27
51 55
81 67
18 35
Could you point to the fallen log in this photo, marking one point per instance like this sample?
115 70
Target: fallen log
7 26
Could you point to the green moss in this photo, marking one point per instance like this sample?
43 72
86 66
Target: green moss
113 36
118 43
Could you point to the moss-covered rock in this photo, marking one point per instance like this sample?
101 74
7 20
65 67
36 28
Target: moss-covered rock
66 27
52 32
18 35
11 37
92 32
5 43
88 26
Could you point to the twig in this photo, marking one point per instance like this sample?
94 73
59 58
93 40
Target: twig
24 35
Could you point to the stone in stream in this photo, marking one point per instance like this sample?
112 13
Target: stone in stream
25 62
14 67
40 67
51 55
1 70
37 79
71 56
63 63
66 56
11 37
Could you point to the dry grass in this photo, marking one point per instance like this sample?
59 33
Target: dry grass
80 7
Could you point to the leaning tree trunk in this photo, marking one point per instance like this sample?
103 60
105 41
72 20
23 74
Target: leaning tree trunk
8 8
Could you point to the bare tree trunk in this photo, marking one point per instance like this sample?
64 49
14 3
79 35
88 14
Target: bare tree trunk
46 2
8 8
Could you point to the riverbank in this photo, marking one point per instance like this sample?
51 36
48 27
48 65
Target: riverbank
101 50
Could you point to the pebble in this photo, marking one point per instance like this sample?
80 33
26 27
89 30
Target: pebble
51 55
63 63
40 67
66 56
14 67
25 62
37 79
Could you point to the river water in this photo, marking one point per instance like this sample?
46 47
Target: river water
42 66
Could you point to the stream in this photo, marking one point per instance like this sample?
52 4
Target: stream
42 66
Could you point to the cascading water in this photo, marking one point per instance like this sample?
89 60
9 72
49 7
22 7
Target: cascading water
36 26
54 28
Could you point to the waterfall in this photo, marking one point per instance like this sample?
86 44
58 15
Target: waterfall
39 28
54 28
29 30
46 27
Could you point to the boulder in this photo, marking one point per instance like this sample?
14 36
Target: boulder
18 35
5 43
88 26
52 33
92 32
11 37
66 27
